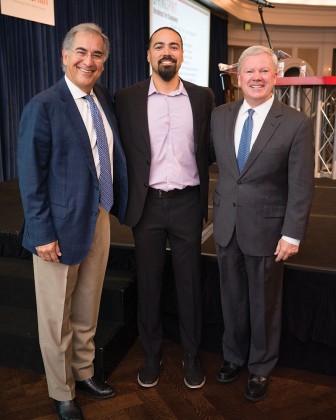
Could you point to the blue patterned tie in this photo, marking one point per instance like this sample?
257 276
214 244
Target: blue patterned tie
245 141
105 178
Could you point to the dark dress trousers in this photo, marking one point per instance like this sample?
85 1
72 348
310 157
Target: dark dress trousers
148 216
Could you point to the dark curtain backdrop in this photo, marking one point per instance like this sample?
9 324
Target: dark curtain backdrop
218 54
30 57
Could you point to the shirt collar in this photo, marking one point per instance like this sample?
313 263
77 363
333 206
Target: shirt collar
181 90
75 91
261 109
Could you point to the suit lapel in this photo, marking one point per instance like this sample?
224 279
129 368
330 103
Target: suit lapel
140 111
196 110
75 120
107 111
119 162
230 126
270 125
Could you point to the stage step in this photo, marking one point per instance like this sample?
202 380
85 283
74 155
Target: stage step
17 283
19 347
116 331
308 339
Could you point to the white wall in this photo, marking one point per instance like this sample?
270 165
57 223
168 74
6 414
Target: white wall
323 39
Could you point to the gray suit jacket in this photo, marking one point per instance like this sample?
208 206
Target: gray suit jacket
273 194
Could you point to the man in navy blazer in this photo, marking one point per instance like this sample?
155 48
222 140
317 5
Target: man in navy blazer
66 228
261 212
165 128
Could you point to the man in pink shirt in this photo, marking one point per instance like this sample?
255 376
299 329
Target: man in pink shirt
164 125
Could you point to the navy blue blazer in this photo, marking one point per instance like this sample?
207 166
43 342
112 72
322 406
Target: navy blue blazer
57 175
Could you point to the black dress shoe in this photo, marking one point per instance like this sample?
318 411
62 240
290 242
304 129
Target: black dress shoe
68 410
193 373
149 371
228 372
256 387
96 388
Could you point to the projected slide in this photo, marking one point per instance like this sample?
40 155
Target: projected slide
192 21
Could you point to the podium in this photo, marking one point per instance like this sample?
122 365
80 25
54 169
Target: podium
316 96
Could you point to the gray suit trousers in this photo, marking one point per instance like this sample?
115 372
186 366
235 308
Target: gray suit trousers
251 295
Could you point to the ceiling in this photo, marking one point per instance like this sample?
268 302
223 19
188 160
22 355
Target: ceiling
307 2
308 13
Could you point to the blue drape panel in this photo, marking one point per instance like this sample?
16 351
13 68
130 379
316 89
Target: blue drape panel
26 67
30 57
218 54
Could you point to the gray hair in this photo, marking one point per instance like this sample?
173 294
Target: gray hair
255 50
85 27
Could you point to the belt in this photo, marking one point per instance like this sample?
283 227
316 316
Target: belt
153 192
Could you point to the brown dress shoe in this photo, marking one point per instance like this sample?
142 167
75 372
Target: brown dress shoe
68 410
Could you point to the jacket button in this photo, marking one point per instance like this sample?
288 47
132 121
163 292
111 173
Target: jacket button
234 204
146 185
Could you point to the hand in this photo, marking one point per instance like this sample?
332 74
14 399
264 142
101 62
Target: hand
49 252
284 250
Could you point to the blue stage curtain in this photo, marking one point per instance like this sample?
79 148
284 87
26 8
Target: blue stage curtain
30 57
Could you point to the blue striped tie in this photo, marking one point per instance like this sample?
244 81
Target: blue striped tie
105 178
245 141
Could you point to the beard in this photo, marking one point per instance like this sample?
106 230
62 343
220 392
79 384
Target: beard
167 73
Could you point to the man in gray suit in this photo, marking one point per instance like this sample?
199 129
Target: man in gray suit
261 209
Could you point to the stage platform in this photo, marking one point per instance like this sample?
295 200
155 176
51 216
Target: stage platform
309 305
317 251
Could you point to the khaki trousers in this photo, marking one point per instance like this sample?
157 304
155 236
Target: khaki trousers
68 299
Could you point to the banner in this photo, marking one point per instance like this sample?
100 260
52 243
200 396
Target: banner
41 11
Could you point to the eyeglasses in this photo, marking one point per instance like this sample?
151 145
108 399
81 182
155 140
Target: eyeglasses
83 54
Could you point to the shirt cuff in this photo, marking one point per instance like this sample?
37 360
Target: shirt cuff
291 240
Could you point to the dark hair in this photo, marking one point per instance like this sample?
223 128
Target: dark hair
160 29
